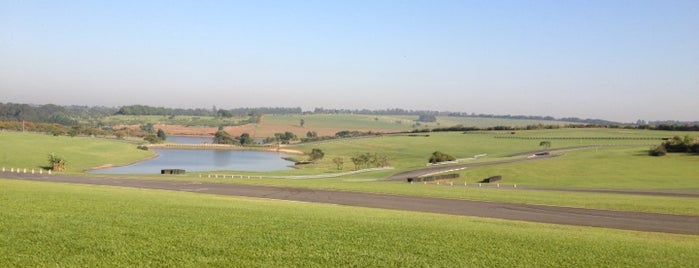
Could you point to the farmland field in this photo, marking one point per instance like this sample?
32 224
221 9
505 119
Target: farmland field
48 224
322 124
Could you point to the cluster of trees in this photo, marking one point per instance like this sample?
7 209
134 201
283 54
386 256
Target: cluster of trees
677 144
152 136
53 128
69 115
49 113
694 126
440 157
353 133
368 160
286 137
150 110
223 137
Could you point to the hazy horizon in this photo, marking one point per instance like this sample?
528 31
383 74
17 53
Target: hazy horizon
612 60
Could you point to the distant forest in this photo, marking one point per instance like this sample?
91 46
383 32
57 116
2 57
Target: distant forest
73 115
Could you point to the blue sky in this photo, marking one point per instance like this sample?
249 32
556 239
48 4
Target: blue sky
616 60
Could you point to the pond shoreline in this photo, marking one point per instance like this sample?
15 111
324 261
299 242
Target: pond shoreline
211 146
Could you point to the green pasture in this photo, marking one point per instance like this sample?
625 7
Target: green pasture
31 151
604 167
50 224
406 151
339 122
483 122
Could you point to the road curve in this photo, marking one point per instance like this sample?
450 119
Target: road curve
650 222
438 169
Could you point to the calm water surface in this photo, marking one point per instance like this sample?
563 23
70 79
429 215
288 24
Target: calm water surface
204 160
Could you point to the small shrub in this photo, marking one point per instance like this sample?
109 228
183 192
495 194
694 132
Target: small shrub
440 157
660 150
57 163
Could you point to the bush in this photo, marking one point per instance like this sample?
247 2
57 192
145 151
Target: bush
440 157
660 150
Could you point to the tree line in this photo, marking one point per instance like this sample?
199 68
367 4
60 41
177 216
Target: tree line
72 115
50 113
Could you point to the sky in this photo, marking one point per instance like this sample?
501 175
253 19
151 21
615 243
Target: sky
608 59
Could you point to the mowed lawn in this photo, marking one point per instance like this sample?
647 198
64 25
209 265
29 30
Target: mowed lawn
50 224
31 151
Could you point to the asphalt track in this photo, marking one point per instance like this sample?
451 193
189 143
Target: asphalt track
639 221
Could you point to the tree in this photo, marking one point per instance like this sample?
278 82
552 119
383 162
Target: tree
222 137
440 157
152 139
56 162
316 154
357 161
383 160
224 113
161 134
285 137
340 162
148 127
546 144
245 139
311 134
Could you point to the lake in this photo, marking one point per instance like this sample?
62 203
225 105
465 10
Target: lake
203 160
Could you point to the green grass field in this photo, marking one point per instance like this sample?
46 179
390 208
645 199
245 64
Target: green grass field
49 224
619 167
31 151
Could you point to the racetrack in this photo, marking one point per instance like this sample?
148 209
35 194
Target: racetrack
651 222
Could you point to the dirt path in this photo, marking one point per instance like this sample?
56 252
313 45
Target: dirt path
652 222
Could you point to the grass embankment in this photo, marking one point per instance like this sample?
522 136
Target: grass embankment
49 224
31 151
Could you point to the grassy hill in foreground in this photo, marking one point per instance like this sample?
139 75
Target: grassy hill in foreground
50 224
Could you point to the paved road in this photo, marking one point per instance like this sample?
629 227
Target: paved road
651 222
440 169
